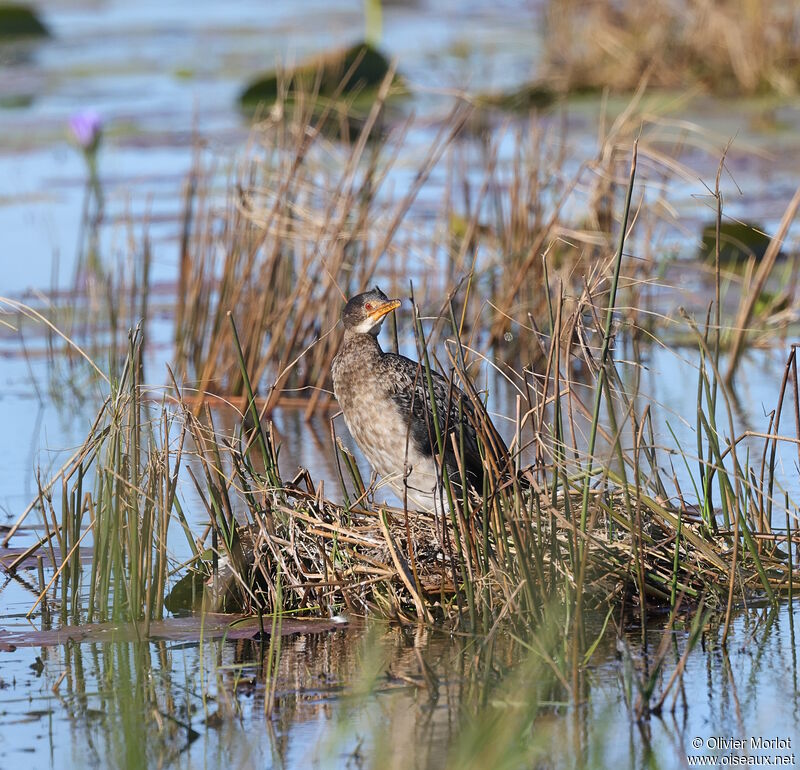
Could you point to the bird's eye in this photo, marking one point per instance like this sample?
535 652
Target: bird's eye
368 306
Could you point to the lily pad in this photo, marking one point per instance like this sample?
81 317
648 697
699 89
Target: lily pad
187 594
20 21
738 241
527 97
12 559
367 67
186 629
16 101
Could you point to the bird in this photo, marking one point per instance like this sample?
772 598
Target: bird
386 403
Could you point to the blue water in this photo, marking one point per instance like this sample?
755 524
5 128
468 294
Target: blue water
165 79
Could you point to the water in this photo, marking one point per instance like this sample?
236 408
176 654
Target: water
162 75
349 697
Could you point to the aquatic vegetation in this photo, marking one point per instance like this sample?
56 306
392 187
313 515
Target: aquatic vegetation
20 21
591 524
520 567
527 97
177 502
732 48
358 71
596 516
87 129
621 584
738 242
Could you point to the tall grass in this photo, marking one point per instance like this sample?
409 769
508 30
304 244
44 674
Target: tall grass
305 223
582 517
730 47
117 493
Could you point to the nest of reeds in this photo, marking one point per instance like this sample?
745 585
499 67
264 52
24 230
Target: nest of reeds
301 552
327 557
558 529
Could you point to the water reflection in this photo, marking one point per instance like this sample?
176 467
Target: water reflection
363 697
385 696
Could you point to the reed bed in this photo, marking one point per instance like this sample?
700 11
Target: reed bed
576 526
585 512
730 47
571 527
306 223
582 529
302 221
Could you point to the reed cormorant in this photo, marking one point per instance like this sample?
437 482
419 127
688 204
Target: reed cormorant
385 399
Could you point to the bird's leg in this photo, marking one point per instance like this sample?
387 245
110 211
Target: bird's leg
373 483
439 512
407 468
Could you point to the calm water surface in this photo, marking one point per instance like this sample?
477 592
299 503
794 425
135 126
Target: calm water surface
163 75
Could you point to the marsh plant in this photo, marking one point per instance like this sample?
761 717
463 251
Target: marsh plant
591 531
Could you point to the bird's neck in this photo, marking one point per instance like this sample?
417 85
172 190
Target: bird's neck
365 345
355 368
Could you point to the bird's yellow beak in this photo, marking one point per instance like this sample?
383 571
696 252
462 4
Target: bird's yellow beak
383 309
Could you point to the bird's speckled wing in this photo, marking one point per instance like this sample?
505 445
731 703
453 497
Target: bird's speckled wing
408 386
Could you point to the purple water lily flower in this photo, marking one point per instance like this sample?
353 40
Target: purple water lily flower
87 127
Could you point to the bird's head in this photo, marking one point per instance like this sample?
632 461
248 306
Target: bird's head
364 313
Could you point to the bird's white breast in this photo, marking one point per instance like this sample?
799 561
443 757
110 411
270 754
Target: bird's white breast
382 434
